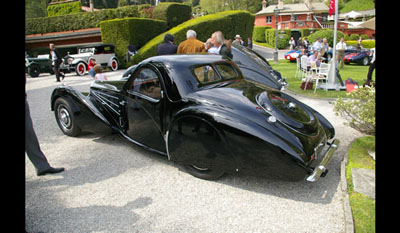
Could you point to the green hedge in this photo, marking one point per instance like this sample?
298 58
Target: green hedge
326 33
64 9
77 21
283 38
229 23
127 31
368 44
259 33
173 13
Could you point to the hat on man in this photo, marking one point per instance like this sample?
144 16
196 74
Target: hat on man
237 36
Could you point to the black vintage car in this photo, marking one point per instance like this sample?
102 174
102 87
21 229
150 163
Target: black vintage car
200 112
40 64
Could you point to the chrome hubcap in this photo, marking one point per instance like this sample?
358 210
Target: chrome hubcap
64 118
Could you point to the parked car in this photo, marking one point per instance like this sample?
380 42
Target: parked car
103 53
40 64
359 56
199 111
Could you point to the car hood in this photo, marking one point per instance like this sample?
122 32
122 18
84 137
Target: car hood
80 55
256 103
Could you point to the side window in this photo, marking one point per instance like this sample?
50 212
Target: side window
206 74
146 82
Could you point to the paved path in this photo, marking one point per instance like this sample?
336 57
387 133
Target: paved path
110 185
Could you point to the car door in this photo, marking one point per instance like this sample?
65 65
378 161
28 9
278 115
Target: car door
145 107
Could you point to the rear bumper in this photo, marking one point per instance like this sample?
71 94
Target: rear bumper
321 169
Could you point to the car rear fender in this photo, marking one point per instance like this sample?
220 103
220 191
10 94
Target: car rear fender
231 127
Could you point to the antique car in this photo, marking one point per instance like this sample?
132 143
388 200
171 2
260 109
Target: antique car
103 53
360 56
40 64
199 111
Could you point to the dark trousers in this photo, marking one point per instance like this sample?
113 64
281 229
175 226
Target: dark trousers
56 69
32 147
370 71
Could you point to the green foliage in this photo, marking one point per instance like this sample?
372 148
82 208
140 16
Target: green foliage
229 23
369 44
325 33
259 33
64 9
357 5
77 21
283 38
173 13
127 31
362 207
358 110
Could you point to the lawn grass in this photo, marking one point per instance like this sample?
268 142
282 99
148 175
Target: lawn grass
363 207
288 69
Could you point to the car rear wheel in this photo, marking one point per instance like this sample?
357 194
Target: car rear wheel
80 68
114 64
65 118
34 71
202 172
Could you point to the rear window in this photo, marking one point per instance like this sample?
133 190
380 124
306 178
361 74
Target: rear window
213 73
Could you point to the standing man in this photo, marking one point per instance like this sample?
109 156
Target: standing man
340 48
218 40
168 47
371 67
56 61
191 44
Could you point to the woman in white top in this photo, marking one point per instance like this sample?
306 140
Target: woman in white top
99 74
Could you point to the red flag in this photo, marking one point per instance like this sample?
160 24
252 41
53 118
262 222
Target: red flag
331 7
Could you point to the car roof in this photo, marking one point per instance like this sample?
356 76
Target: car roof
95 45
187 59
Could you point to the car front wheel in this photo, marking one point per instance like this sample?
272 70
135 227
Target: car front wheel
80 68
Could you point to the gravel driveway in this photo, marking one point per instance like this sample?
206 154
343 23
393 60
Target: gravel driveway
110 185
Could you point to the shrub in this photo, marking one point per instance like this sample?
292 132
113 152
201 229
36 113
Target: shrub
229 23
64 9
77 21
326 33
283 38
359 110
124 32
173 13
259 33
369 44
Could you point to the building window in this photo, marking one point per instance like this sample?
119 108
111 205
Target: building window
269 19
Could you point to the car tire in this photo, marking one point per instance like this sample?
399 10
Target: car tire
114 64
203 172
65 117
34 71
365 61
80 68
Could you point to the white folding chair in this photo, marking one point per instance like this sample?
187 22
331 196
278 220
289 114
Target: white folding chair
303 63
298 70
322 74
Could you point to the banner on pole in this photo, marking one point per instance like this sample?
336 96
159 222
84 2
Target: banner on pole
331 7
